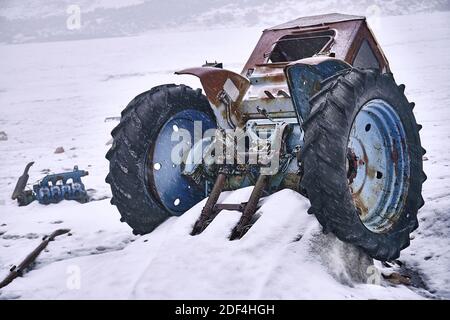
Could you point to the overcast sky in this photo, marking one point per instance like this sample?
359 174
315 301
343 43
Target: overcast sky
46 20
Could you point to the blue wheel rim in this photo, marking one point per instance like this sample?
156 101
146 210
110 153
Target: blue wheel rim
176 192
380 162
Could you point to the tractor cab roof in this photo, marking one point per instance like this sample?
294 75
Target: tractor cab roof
315 21
346 37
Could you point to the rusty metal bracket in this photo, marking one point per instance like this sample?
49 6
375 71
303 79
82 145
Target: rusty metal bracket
225 90
208 209
212 208
18 271
250 208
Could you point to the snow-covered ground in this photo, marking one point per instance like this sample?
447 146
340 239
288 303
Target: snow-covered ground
59 93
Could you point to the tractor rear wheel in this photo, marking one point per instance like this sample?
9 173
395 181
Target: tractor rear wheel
362 162
147 186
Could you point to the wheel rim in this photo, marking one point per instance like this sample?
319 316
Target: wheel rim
378 165
176 192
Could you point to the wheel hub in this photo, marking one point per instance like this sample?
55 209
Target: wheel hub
176 192
378 165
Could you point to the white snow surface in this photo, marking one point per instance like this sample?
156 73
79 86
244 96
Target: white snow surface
59 93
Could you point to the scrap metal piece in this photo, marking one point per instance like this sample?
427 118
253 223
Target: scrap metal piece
18 271
55 187
250 208
397 278
22 182
19 194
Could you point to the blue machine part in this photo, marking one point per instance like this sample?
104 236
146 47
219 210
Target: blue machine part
42 194
176 192
66 191
304 76
377 142
56 187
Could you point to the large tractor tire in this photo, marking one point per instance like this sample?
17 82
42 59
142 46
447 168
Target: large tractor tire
147 186
362 161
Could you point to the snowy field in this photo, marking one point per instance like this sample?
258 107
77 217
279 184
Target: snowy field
59 94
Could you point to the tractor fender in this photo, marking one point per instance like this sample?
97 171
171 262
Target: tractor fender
304 77
225 90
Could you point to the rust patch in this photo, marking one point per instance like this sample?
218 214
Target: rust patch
214 80
360 205
352 165
347 41
394 157
371 172
394 153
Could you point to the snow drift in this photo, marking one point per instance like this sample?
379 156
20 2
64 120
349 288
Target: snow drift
285 254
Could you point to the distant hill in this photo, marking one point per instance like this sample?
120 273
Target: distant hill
35 21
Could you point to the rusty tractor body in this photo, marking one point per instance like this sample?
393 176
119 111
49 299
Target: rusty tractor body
263 80
317 109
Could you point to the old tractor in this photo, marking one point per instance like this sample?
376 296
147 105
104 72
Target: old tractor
316 109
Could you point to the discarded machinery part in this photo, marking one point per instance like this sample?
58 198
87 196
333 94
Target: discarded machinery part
18 271
302 83
208 209
26 198
19 191
397 278
55 187
225 90
250 207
